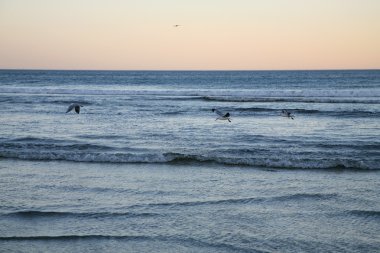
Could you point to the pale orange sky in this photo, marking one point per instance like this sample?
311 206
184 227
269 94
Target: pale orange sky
216 34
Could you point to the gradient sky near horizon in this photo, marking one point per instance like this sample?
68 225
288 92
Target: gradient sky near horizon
215 34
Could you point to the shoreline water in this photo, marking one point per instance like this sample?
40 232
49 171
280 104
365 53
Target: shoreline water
55 205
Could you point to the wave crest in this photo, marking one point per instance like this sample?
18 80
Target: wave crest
180 158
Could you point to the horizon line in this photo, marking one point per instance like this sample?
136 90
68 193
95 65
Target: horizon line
188 70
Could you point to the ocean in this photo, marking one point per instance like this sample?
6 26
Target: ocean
146 167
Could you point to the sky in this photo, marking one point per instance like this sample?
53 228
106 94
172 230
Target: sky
214 34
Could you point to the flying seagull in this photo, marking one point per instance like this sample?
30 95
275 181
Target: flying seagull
176 25
222 116
76 106
287 114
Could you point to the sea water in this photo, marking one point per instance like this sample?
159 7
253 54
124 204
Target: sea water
146 166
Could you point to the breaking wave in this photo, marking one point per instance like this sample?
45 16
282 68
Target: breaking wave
179 158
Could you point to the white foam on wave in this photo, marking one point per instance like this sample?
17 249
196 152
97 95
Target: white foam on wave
293 163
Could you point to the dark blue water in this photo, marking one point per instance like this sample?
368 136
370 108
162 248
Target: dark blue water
146 167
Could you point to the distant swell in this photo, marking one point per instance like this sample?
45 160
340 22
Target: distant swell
317 99
44 214
73 237
228 201
298 111
243 201
367 96
188 241
365 213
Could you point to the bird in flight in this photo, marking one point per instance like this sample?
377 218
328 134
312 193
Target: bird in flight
287 114
177 25
74 106
222 116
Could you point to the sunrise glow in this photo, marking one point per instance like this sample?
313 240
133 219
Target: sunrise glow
214 34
